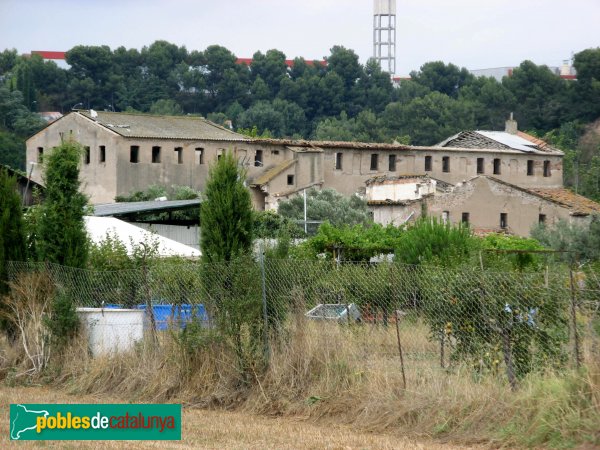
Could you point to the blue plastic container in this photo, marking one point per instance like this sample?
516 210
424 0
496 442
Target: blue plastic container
166 315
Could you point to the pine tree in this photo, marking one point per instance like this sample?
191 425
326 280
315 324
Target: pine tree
12 236
226 213
62 238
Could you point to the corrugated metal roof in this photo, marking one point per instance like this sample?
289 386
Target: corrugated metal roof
124 208
510 140
99 227
162 127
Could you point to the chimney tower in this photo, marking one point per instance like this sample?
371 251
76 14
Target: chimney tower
384 34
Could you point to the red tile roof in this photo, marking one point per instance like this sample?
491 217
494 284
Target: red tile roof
578 204
538 142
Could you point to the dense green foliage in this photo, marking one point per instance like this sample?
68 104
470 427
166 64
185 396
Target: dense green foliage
270 225
166 79
61 234
576 242
229 273
62 322
506 252
351 243
12 235
434 242
325 205
341 100
226 213
17 123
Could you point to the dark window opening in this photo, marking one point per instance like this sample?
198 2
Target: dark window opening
40 155
134 154
480 165
290 179
274 152
179 153
199 155
374 161
465 218
392 163
529 167
155 154
338 161
542 219
87 157
102 154
428 164
258 158
546 168
446 164
503 220
497 164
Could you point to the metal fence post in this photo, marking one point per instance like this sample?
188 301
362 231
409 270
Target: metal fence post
400 348
264 302
149 308
574 319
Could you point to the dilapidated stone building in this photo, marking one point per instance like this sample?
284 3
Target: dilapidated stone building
126 152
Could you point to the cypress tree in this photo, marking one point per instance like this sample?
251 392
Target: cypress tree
12 235
226 213
62 238
229 272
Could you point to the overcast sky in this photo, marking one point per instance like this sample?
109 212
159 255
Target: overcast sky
475 34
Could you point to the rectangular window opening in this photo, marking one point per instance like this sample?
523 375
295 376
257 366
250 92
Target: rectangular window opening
374 161
503 220
392 163
497 164
446 164
445 216
199 155
465 218
179 154
40 155
155 155
290 180
529 167
134 154
102 154
480 166
428 164
542 219
258 158
274 152
87 155
338 161
546 168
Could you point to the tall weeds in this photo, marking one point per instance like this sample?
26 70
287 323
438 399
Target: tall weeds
350 374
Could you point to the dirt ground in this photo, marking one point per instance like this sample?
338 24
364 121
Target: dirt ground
204 429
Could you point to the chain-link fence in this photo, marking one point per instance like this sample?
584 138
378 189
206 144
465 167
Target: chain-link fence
385 318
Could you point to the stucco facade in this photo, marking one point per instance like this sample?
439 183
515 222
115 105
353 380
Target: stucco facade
130 152
491 205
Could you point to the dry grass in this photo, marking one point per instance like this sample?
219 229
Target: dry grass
204 429
334 375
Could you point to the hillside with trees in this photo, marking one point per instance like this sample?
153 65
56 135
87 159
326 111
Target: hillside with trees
339 100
